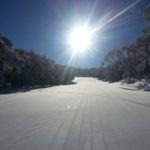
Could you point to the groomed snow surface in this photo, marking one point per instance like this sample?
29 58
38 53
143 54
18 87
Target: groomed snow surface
89 115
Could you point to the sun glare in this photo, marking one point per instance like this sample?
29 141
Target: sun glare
80 38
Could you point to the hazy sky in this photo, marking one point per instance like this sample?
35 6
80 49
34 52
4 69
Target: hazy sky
43 25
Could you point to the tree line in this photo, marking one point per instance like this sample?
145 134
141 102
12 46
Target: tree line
20 67
131 60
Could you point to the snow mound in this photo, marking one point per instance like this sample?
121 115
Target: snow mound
134 84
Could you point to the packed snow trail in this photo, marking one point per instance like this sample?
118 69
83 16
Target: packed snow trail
89 115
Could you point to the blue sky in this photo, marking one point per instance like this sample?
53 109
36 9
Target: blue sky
42 26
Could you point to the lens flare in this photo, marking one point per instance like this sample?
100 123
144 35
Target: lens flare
116 16
80 38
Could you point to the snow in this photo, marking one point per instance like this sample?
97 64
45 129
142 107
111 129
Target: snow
142 84
89 115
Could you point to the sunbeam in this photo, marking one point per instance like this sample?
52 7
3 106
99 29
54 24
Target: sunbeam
116 16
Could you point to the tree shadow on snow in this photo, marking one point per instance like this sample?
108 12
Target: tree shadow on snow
129 89
138 103
11 90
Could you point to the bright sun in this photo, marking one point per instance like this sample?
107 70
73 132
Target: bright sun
80 39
